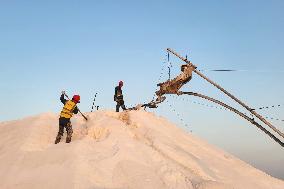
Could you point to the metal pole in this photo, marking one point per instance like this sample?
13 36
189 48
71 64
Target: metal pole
229 94
94 102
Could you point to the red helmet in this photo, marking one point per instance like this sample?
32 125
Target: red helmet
76 98
120 83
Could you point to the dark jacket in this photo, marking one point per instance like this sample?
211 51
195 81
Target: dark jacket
118 94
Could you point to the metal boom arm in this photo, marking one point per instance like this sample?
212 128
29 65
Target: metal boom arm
237 112
229 94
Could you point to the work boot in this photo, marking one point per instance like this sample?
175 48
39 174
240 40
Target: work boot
68 139
123 107
58 138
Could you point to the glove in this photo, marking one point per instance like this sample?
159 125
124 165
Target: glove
63 92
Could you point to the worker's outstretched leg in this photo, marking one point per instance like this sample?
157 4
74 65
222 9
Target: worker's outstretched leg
123 107
69 132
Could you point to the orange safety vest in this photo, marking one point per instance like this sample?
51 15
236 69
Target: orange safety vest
68 108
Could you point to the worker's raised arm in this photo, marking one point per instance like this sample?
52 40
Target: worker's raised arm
62 99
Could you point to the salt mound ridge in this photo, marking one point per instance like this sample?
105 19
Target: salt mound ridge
134 150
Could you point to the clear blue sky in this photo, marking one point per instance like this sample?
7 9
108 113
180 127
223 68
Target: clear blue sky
88 46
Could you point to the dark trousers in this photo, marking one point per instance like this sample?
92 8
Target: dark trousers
120 103
64 123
